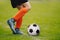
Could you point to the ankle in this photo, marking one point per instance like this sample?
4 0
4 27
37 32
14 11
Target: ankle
13 19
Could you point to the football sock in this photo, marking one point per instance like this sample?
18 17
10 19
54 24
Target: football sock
19 15
18 23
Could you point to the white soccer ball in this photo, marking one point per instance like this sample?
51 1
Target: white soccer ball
33 29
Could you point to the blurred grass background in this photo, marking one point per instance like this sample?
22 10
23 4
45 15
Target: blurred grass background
45 13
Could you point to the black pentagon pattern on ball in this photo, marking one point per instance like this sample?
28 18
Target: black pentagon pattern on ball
30 30
37 31
34 25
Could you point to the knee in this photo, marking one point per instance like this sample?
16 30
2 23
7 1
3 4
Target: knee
28 7
25 5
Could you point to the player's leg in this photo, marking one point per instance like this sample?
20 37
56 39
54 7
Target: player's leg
23 9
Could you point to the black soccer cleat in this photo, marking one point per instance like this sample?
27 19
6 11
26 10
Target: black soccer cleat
11 25
18 31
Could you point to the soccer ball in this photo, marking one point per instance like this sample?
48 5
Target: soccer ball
33 29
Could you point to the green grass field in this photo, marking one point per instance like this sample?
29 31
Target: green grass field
44 13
